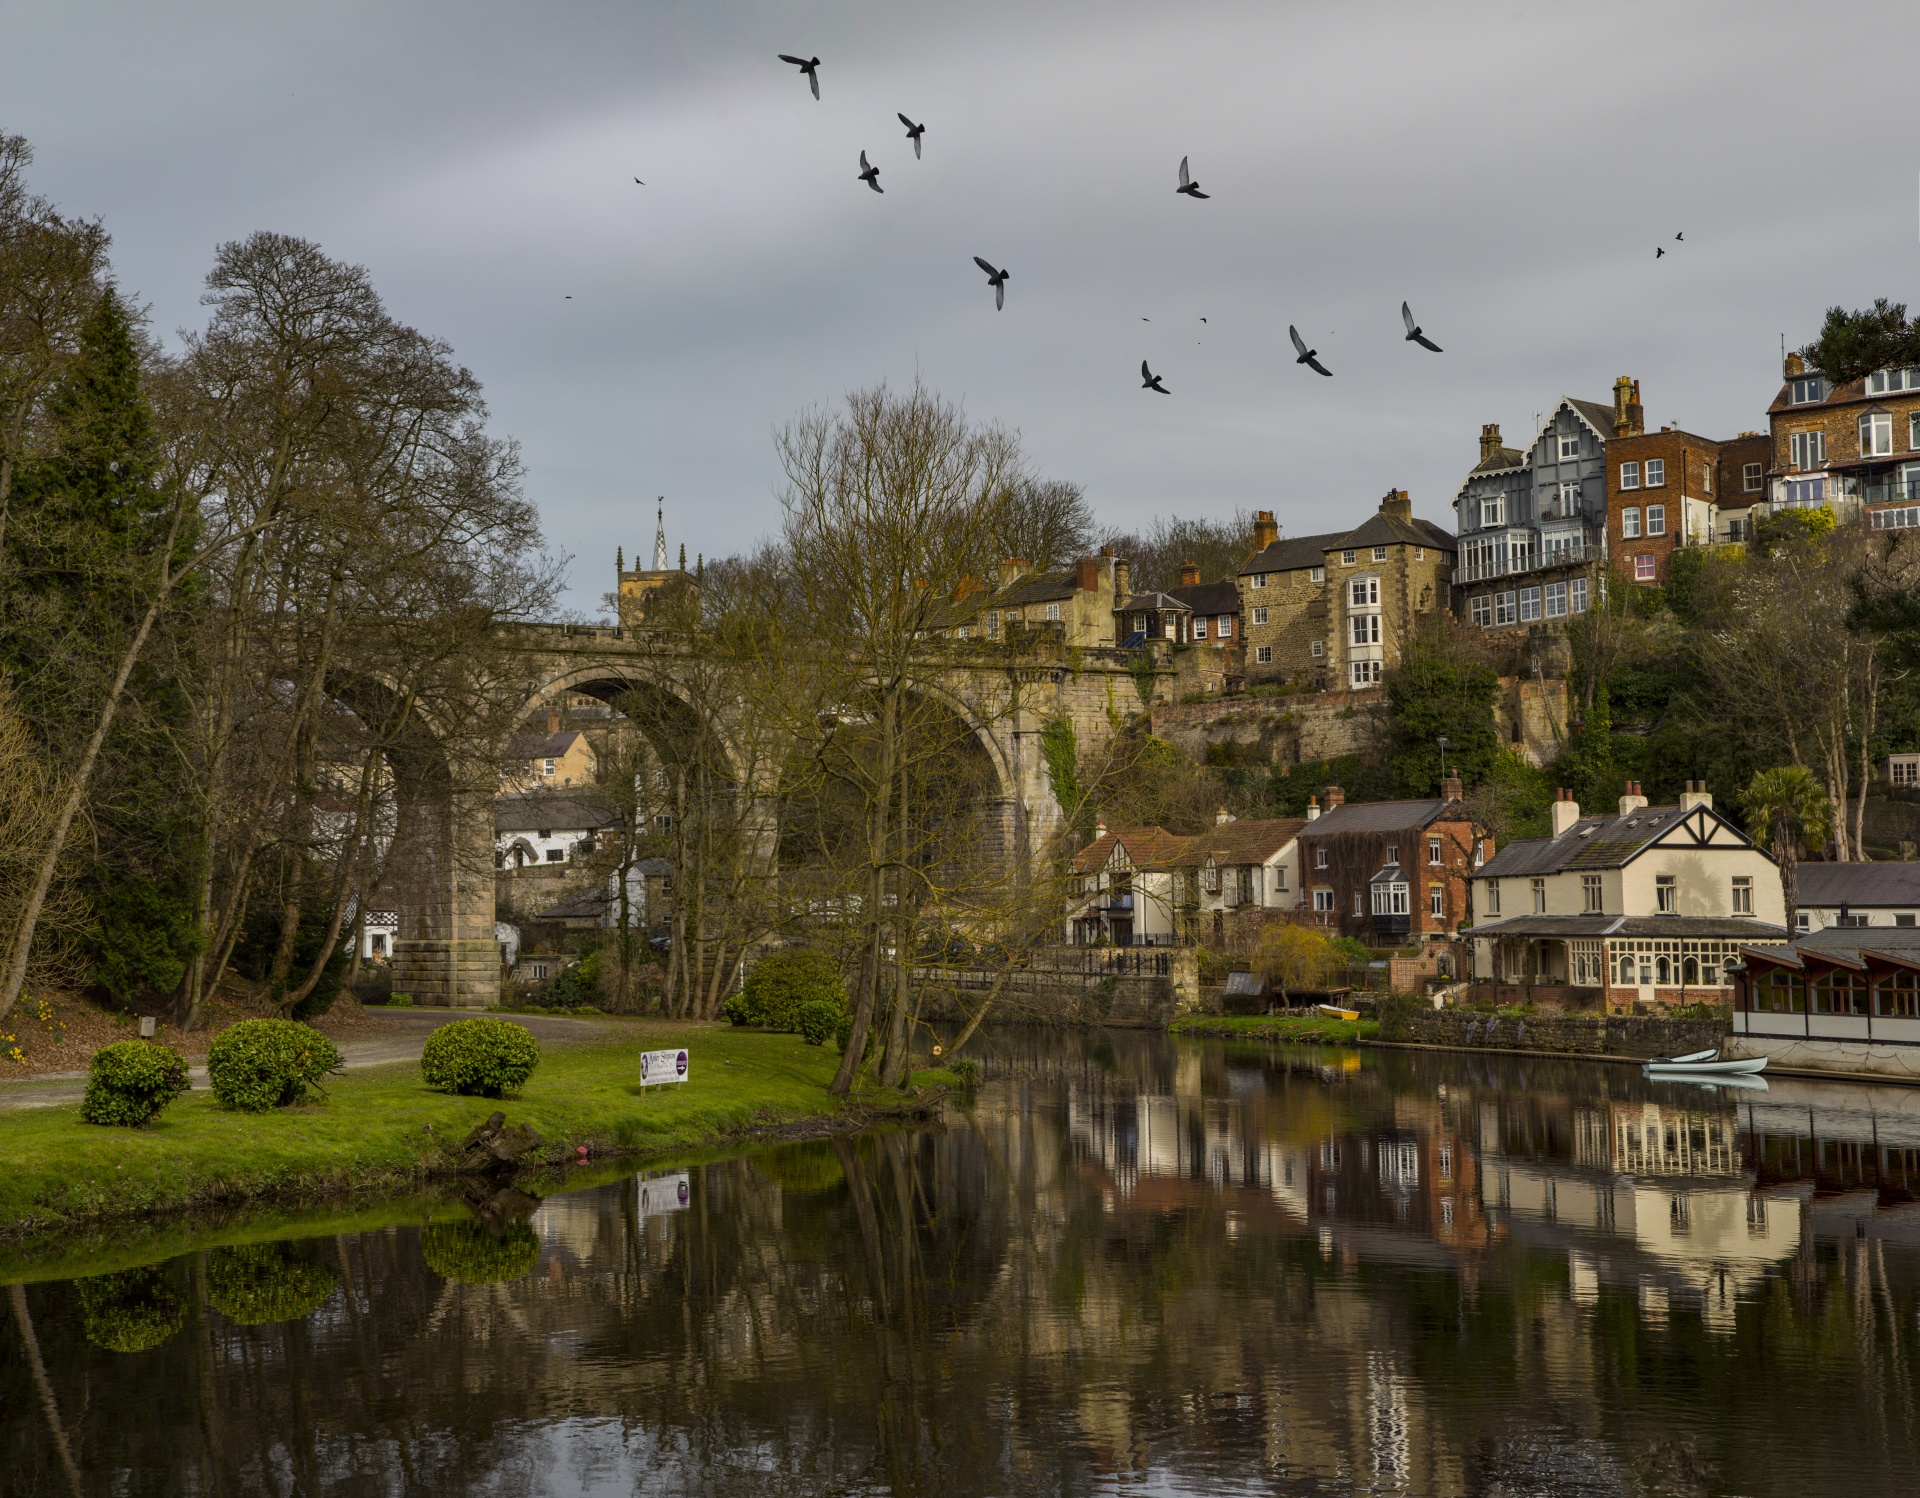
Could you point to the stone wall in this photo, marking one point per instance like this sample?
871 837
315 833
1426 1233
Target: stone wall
1627 1035
1136 987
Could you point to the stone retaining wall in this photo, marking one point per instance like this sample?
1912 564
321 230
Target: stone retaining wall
1628 1035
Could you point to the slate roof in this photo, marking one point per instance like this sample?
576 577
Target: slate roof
1590 843
1291 553
565 811
1864 886
1597 414
1235 843
1503 460
1164 602
1382 529
588 907
542 745
1847 943
1379 816
1736 928
1210 598
1147 848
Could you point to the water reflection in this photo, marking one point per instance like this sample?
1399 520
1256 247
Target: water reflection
1136 1264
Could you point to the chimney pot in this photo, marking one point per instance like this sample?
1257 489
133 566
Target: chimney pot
1189 574
1397 503
1222 817
1489 440
1632 800
1313 808
1450 788
1696 794
1566 811
1265 532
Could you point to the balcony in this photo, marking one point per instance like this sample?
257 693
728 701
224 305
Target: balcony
1521 559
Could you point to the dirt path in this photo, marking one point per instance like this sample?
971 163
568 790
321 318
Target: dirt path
403 1036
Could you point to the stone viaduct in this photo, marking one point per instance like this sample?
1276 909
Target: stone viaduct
445 952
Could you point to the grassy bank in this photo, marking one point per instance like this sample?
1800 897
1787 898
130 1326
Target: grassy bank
381 1130
1300 1029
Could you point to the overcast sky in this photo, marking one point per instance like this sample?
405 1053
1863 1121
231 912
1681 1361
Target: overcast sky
1508 168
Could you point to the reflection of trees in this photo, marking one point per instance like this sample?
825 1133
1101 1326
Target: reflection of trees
981 1309
261 1282
132 1310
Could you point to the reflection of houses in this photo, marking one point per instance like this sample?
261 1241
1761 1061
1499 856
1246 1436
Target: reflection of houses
1646 904
1843 997
1391 871
550 827
1122 890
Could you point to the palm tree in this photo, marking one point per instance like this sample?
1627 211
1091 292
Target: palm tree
1786 808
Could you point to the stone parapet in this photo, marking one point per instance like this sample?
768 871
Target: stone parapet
1631 1036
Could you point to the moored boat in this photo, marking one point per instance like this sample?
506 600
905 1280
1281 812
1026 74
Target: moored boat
1705 1063
1336 1012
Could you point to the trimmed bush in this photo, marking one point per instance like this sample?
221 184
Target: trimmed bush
267 1063
817 1020
130 1311
467 1252
479 1057
129 1082
781 983
261 1282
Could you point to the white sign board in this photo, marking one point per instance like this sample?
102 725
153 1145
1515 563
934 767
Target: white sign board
662 1066
668 1193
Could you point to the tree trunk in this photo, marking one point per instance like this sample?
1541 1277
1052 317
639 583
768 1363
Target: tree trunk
17 1295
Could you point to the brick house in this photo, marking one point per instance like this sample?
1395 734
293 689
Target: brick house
1215 608
1335 610
1391 872
1650 903
1855 447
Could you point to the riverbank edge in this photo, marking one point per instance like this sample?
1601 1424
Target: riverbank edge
769 1102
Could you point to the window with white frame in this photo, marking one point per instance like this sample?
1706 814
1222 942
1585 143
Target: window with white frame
1223 627
1419 553
1629 475
1876 434
1656 520
1481 607
1578 593
1364 592
1358 907
1389 899
1506 607
1742 894
1140 622
548 766
1529 605
993 621
1556 600
1319 858
1257 580
1346 558
1316 649
1892 381
1913 431
1905 518
1903 769
1366 628
1433 850
1630 523
1263 655
1805 392
1365 674
1437 901
1592 901
1199 626
1644 570
1393 853
1569 448
1323 900
1807 449
1706 478
1750 475
965 632
1806 491
1053 612
1260 614
1379 553
1316 574
1656 472
1539 896
1493 510
1666 895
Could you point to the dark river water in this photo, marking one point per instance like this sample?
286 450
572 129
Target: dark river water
1135 1264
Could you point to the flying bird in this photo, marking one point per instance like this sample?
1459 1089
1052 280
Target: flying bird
1681 235
808 65
997 279
1658 251
914 132
870 174
1308 356
1414 335
1151 381
636 179
1187 185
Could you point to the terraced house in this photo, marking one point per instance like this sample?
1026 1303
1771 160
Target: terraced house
1854 447
1335 610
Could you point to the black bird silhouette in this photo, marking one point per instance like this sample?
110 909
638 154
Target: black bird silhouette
1308 356
1151 381
997 279
1414 335
1658 251
1681 235
870 174
914 132
1187 185
636 179
808 65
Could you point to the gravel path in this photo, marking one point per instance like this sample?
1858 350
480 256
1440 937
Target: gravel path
406 1035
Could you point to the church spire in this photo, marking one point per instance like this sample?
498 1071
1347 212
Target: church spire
660 537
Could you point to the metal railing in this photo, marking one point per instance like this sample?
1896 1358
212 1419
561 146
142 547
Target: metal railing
1523 559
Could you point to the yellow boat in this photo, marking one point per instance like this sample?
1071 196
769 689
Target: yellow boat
1334 1011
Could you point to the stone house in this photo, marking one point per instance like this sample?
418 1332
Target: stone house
559 759
1072 606
1649 903
1121 890
1236 868
1390 872
1336 610
1532 523
1855 447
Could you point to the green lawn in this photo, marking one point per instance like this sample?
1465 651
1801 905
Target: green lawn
1308 1029
382 1130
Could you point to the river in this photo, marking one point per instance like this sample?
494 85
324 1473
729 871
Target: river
1134 1264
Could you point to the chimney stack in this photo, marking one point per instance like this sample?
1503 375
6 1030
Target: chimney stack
1397 503
1265 532
1122 580
1628 418
1489 441
1795 365
1696 794
1011 571
1223 816
1086 574
1189 574
1566 811
1335 797
553 719
1632 800
1451 789
1313 808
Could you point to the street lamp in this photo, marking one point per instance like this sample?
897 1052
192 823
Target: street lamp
1442 741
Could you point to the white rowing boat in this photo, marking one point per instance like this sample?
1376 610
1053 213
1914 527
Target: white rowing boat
1705 1064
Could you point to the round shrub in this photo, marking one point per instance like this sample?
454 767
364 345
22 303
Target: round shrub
817 1020
129 1082
261 1282
130 1311
467 1252
780 983
479 1057
267 1063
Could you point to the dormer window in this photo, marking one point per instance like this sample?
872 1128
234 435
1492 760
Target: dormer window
1805 392
1892 381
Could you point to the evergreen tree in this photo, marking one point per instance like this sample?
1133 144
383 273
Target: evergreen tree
1441 691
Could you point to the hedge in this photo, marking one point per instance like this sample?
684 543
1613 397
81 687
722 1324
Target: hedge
130 1082
479 1057
781 984
267 1063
